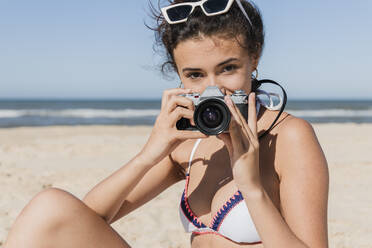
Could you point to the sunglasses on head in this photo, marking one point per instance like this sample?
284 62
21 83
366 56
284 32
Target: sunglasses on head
179 12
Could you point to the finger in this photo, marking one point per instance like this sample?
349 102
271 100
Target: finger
170 92
232 109
184 135
236 137
244 126
179 101
247 130
180 112
241 121
252 114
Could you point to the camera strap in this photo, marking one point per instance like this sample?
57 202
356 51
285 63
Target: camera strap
283 101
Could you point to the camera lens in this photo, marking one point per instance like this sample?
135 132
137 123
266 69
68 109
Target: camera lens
211 117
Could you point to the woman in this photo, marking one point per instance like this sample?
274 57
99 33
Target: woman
241 189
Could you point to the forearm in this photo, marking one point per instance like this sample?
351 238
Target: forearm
107 197
272 228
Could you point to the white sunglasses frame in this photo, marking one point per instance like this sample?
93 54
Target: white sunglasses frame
200 4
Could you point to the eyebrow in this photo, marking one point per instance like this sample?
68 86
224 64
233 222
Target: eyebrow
198 69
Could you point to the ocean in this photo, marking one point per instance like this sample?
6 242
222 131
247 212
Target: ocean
17 113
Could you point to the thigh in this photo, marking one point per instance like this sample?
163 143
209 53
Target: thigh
56 218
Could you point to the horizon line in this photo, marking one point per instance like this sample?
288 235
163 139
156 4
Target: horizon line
154 99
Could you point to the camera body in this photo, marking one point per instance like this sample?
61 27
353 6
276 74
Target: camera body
212 116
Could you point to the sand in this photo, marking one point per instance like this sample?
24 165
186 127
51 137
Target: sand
77 158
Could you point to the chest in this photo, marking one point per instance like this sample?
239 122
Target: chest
211 185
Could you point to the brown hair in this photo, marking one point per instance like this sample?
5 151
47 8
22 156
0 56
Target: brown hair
232 24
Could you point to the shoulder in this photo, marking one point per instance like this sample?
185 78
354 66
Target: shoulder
298 148
287 128
295 132
294 128
304 180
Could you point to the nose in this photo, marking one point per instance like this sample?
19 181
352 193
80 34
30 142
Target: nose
212 82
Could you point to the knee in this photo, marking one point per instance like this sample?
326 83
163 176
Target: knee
47 213
52 198
52 205
51 195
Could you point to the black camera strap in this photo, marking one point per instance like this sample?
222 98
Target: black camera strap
255 85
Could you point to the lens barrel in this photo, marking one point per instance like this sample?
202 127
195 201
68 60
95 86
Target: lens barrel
212 116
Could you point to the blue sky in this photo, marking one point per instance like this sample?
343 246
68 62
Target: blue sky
101 49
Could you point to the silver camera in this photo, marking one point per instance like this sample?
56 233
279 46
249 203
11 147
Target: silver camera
212 116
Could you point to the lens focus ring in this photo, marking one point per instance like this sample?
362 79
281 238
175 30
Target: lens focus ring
212 116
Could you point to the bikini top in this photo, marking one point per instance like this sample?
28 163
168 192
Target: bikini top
232 221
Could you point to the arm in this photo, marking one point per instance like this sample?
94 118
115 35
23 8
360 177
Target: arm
130 187
303 176
151 171
303 192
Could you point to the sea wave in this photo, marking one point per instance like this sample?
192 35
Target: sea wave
331 113
79 113
138 113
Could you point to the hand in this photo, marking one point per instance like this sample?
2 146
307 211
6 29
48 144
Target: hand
165 137
243 145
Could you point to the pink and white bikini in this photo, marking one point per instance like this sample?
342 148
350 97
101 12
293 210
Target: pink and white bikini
232 221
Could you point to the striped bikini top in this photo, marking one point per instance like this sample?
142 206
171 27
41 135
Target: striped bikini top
232 221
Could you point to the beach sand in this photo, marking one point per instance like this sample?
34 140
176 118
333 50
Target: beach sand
77 158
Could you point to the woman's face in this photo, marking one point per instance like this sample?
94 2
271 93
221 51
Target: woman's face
214 61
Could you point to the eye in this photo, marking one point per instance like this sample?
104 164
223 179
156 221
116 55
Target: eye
194 75
229 68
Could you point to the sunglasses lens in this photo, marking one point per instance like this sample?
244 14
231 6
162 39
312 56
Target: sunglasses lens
214 6
179 12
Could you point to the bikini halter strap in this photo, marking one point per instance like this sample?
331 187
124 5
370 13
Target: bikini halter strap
192 154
